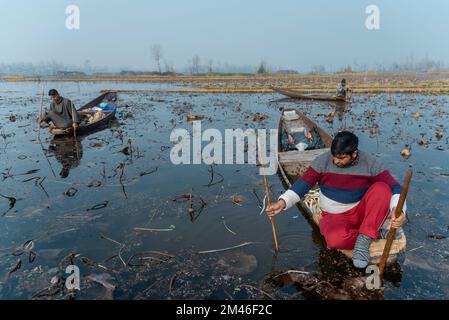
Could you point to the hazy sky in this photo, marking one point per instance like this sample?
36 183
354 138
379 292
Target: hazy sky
286 33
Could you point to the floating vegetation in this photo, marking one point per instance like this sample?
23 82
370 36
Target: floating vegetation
94 184
406 153
226 249
16 267
99 206
102 279
212 176
147 172
155 230
436 236
70 192
260 117
193 117
12 201
227 228
236 199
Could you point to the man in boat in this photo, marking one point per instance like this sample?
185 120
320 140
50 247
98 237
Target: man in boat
62 112
357 196
341 89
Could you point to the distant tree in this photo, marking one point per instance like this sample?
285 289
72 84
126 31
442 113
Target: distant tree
286 71
262 68
87 66
195 64
318 69
169 66
348 69
156 53
210 64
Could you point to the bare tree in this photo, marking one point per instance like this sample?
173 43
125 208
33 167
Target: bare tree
348 69
195 64
318 69
210 64
169 66
156 52
262 68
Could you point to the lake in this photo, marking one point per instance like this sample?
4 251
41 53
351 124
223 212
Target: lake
113 204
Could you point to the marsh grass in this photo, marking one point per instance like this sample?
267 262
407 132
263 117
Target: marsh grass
373 83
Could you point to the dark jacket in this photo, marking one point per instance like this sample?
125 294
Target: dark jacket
341 90
66 109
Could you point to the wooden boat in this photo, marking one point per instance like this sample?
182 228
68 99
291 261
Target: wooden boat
317 97
85 126
293 164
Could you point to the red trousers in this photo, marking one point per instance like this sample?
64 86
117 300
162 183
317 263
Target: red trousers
341 230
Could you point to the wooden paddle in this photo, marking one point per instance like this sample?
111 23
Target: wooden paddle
267 192
397 214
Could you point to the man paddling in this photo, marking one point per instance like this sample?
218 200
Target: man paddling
357 196
62 112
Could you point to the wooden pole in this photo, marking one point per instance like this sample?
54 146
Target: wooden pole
397 213
40 114
76 146
39 132
267 192
74 134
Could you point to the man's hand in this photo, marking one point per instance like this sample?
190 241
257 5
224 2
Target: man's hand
397 222
41 117
274 208
75 126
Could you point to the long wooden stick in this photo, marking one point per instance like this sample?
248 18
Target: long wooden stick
74 135
40 114
267 192
49 163
39 132
73 127
397 214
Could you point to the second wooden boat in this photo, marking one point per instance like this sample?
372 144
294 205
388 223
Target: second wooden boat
317 97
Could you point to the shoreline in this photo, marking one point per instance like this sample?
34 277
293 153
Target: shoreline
433 83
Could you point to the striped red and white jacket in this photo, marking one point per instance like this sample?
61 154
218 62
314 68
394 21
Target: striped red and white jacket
342 188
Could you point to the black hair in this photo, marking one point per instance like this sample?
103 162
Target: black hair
53 92
343 80
345 142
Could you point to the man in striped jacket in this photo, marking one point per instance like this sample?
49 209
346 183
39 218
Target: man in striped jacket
357 195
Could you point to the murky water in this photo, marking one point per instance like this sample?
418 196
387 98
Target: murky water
81 200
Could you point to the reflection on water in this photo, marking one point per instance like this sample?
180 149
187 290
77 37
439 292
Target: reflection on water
68 151
144 243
